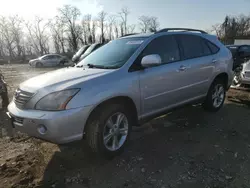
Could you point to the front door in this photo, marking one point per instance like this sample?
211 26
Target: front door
160 85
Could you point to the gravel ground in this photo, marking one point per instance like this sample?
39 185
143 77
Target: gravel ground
185 148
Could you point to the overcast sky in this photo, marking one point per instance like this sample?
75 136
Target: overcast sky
171 13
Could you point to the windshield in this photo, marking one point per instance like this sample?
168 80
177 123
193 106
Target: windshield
81 50
114 54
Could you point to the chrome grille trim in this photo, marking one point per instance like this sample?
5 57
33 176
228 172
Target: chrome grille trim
22 97
18 119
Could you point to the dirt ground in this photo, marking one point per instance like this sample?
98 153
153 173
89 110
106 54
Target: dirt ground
188 148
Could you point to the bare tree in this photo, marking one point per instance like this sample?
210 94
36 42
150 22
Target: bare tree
217 29
124 17
69 15
57 31
144 22
121 28
131 28
111 21
232 27
16 29
86 25
101 19
93 31
38 36
7 36
2 46
116 29
153 24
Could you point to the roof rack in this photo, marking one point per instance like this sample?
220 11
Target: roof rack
128 35
180 29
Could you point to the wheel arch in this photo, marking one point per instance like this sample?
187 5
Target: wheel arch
127 101
38 62
224 77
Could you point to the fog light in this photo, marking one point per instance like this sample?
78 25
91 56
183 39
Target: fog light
41 129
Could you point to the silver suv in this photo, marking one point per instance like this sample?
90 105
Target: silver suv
120 85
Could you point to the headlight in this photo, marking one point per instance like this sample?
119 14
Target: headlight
57 100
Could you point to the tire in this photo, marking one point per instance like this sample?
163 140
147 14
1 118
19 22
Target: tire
39 65
61 63
97 128
210 104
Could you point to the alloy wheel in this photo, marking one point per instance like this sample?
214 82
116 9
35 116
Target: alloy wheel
115 131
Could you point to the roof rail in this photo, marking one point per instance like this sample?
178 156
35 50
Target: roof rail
180 29
128 34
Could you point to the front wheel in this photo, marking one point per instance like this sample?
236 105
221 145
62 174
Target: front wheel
215 96
109 130
39 64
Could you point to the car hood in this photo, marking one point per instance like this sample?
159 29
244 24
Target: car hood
62 78
32 60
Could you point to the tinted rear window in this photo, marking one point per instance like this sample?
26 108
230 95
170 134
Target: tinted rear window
214 49
193 46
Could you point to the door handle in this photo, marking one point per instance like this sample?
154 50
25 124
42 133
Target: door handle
182 68
214 61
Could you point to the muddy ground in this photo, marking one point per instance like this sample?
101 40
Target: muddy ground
185 148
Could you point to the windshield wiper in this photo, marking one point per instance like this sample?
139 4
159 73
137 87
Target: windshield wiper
97 66
79 66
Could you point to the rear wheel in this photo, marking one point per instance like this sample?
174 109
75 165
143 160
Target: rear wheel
61 63
109 129
215 96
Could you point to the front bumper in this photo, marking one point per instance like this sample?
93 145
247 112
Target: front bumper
61 126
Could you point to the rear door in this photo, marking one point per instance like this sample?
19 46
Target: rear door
200 63
57 60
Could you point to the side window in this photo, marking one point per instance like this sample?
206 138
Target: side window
46 57
165 46
193 46
214 49
206 49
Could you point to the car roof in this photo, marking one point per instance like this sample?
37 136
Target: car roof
139 35
50 55
168 31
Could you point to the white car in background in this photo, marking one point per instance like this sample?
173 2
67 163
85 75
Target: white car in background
49 60
242 75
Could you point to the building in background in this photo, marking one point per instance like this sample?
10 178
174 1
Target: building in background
242 41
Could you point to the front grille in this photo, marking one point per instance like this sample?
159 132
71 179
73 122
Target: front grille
18 120
22 97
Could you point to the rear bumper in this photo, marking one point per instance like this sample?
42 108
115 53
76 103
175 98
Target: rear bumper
61 127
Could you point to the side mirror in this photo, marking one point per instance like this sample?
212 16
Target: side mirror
151 60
